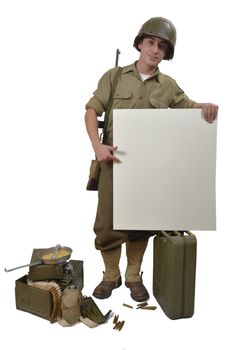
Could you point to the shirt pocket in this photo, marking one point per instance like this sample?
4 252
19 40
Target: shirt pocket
123 99
157 103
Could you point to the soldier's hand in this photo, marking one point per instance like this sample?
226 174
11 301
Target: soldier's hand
210 111
104 153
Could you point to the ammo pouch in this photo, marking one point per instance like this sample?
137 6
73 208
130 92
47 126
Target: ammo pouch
91 312
70 305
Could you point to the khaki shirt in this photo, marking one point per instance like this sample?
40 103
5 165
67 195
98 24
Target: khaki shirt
158 91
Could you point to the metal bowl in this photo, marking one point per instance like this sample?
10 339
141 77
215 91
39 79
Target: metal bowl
50 256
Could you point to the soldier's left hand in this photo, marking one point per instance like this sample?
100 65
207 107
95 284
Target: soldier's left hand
210 111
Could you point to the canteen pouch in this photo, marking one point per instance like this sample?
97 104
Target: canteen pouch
70 305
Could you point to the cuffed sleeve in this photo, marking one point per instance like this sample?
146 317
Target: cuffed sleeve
100 100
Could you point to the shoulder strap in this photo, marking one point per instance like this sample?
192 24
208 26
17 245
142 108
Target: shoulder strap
115 82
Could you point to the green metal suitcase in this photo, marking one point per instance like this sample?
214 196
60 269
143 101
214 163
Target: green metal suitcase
174 270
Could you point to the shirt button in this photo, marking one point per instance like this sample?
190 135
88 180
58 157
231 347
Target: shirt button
141 97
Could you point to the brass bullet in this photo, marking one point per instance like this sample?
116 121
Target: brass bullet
126 305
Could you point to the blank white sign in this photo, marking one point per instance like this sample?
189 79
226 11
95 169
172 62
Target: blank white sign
166 178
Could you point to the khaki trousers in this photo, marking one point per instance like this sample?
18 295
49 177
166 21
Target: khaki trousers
106 237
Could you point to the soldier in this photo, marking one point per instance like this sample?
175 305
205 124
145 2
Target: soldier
141 85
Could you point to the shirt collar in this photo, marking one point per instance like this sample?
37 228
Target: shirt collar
132 68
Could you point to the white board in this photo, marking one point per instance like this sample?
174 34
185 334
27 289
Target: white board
166 178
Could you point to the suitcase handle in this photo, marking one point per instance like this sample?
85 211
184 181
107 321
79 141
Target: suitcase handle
178 233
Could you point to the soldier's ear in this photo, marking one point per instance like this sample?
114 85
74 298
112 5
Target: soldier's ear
139 45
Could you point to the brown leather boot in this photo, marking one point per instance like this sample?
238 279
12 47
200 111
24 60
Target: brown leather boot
104 289
138 291
135 252
111 278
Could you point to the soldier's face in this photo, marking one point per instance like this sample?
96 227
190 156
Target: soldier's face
153 50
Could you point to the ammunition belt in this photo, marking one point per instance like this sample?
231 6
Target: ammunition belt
56 293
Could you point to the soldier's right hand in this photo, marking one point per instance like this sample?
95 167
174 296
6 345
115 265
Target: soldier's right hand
104 153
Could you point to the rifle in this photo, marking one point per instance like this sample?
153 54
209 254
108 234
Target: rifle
117 57
92 184
101 123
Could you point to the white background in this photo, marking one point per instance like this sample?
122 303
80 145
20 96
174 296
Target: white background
52 54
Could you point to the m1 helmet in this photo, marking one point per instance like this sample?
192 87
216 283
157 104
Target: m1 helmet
161 28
